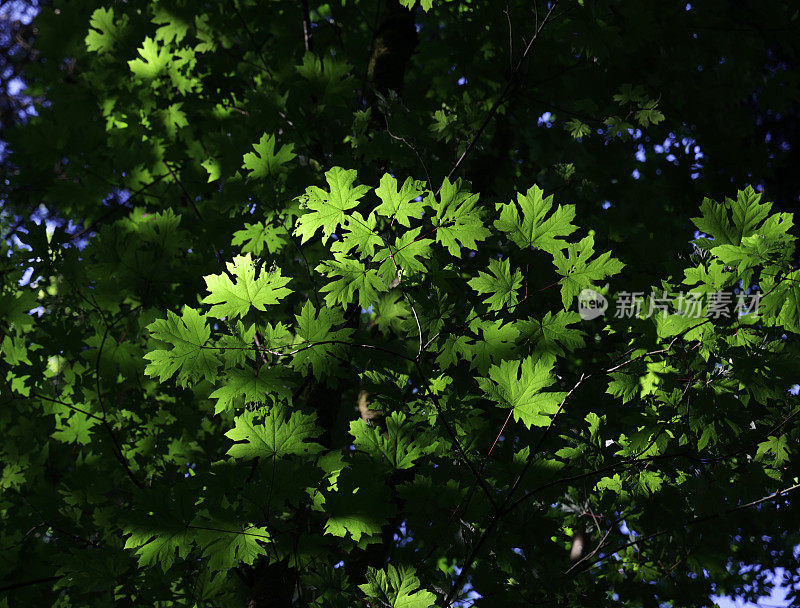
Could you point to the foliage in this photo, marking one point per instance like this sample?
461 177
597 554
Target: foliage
301 326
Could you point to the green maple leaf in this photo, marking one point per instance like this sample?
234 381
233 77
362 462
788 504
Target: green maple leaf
163 530
778 446
160 545
578 271
501 285
399 204
14 308
213 168
12 478
782 299
789 315
457 220
398 447
623 385
250 387
254 238
234 299
273 433
552 335
519 384
265 161
754 251
613 484
174 118
359 507
770 243
354 278
577 129
237 347
360 235
77 428
188 356
497 341
153 62
391 312
732 220
327 210
649 114
397 587
629 93
173 28
452 347
227 544
317 343
404 256
15 350
275 336
326 75
104 33
537 227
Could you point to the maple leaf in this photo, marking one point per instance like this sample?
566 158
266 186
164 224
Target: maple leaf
501 285
648 114
391 312
354 278
577 129
730 221
251 387
453 346
397 587
326 75
457 220
273 433
398 447
174 118
537 227
497 342
15 350
173 28
265 161
317 342
400 205
77 428
519 384
188 356
326 210
14 308
624 386
213 168
162 531
12 478
359 507
360 235
403 257
104 33
552 335
253 238
153 62
227 544
778 446
425 4
233 299
578 271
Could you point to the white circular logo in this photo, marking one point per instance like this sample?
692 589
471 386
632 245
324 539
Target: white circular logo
591 304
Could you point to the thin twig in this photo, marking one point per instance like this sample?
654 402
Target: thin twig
308 41
501 98
440 414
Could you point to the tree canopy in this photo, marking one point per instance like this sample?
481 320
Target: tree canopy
403 303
